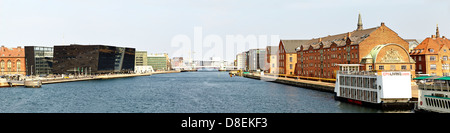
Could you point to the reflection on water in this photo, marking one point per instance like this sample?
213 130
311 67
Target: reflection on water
191 92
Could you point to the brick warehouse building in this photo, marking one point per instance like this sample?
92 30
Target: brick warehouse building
378 48
12 60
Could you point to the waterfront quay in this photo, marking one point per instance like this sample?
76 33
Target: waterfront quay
310 84
87 78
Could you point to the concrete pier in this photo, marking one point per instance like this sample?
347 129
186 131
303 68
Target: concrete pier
86 78
316 85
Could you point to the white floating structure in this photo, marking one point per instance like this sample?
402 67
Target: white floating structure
385 89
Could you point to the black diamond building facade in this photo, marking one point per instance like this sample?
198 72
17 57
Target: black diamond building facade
92 59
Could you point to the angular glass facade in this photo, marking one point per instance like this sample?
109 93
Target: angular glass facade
93 59
39 60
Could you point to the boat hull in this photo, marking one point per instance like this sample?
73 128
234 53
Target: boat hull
383 106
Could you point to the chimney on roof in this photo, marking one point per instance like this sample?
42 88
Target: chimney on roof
437 31
433 36
349 34
382 23
360 25
320 39
444 37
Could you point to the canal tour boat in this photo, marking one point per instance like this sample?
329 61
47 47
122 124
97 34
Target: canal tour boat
381 89
434 96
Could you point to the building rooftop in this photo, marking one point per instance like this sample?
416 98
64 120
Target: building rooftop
431 46
12 52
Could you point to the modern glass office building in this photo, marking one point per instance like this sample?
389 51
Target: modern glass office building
158 61
39 60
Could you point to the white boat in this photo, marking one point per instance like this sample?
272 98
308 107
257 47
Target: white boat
32 83
434 96
384 89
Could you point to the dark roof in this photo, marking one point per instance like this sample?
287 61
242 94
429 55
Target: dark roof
356 37
291 45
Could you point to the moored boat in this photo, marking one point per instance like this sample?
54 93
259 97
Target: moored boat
434 96
32 83
381 89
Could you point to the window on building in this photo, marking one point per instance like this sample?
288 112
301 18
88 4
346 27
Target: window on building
445 67
9 65
2 65
381 67
290 66
420 66
420 58
370 67
433 67
392 67
432 58
445 58
18 65
431 50
290 59
403 67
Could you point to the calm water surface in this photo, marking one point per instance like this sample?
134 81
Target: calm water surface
191 92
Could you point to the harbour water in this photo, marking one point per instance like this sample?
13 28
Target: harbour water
188 92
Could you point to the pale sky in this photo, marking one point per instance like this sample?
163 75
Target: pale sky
150 25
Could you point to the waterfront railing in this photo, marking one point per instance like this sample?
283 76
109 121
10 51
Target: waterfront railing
435 86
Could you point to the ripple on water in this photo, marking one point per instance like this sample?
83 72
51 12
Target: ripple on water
191 92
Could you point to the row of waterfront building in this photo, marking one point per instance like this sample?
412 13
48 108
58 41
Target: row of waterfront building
79 59
377 48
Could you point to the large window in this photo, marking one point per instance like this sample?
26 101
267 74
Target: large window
2 65
433 67
403 67
432 58
18 65
9 65
381 67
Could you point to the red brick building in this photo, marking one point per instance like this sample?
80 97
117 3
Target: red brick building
378 48
12 61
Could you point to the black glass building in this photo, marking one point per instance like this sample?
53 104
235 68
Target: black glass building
92 59
39 60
